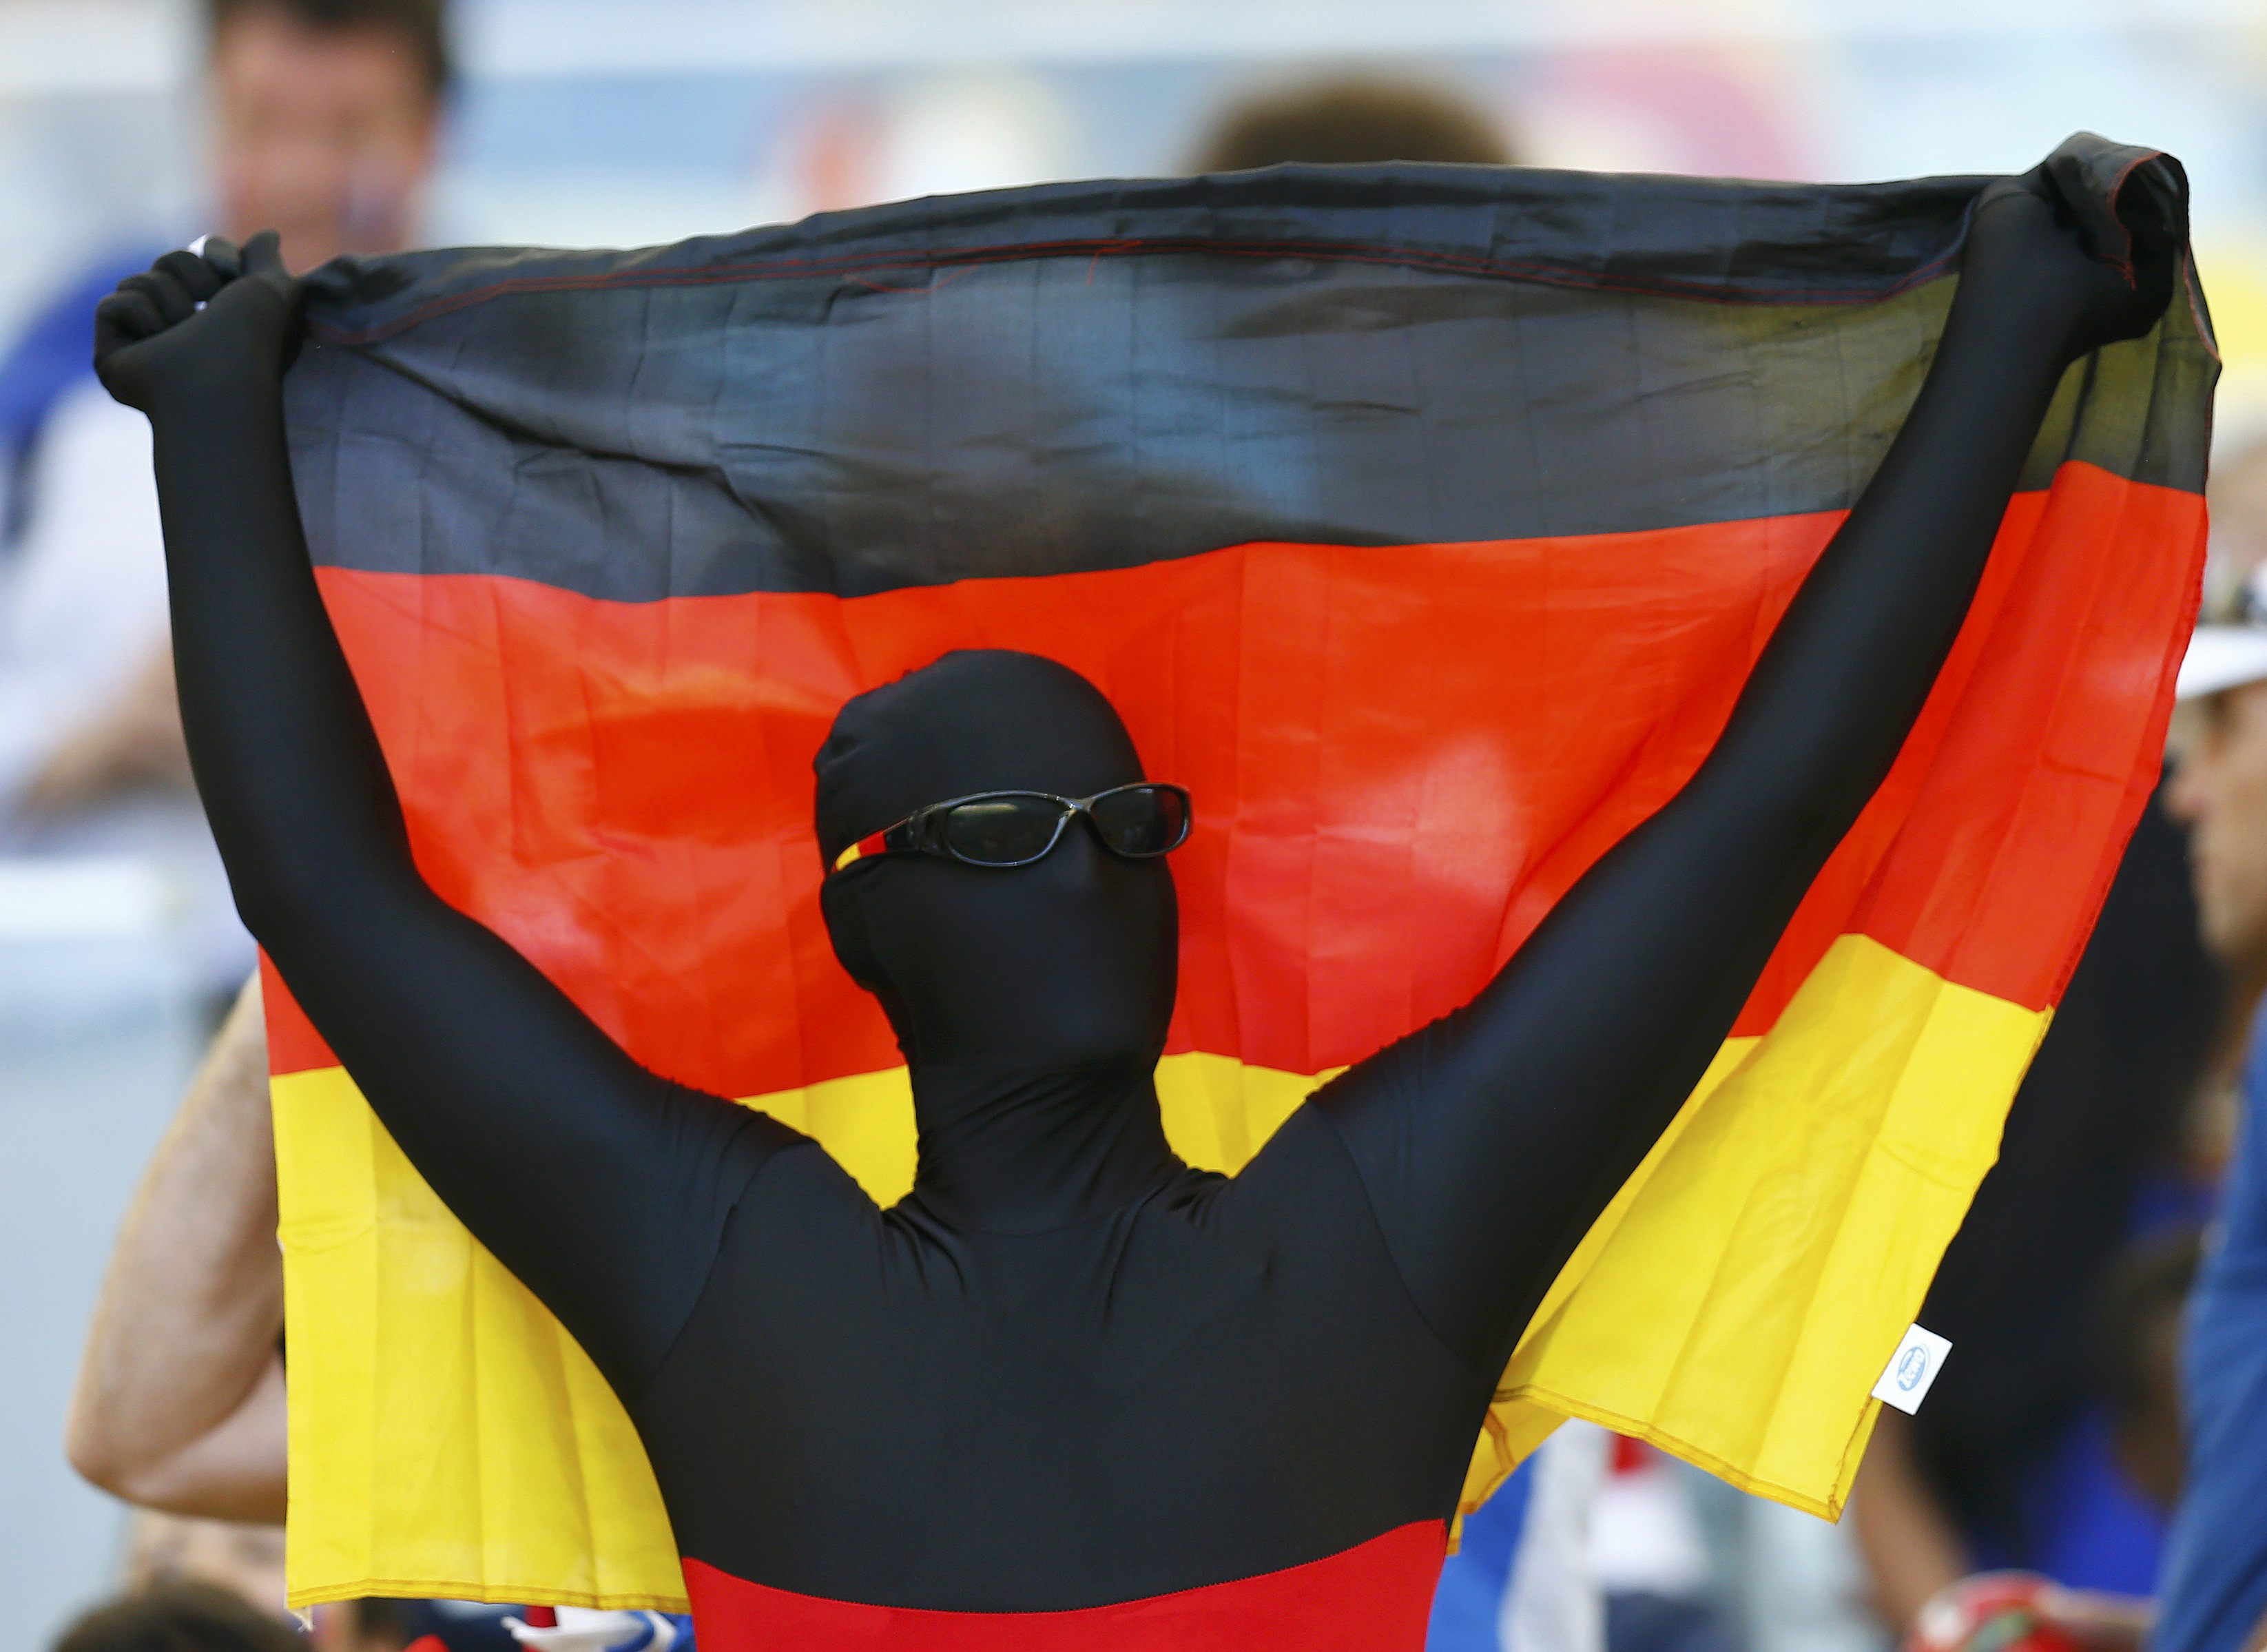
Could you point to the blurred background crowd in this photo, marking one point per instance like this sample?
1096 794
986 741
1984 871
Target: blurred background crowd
140 1299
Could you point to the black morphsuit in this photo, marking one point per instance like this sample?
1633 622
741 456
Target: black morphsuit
1067 1370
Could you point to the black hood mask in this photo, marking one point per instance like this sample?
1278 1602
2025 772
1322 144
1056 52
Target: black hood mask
1030 1003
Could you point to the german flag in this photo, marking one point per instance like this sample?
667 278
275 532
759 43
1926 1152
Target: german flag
1424 522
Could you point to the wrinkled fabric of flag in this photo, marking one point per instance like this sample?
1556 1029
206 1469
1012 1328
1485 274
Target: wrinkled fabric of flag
1424 522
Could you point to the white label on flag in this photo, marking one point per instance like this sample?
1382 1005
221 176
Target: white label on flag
1911 1368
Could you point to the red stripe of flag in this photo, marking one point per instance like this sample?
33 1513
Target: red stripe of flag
1400 758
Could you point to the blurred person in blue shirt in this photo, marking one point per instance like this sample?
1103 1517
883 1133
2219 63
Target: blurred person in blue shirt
2214 1594
325 116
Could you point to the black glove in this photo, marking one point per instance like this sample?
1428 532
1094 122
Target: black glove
220 316
2105 253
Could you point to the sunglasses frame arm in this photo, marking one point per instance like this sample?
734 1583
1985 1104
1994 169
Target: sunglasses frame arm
889 838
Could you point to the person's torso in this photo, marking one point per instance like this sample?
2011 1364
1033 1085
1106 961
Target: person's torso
1210 1388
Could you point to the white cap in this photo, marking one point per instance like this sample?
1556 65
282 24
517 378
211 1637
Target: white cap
586 1629
2231 649
2222 657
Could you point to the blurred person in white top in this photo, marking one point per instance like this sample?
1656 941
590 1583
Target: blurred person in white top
325 116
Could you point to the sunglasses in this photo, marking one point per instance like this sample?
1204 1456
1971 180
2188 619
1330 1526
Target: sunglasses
1014 828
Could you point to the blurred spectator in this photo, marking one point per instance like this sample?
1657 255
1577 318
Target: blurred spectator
453 1626
324 119
245 1560
2215 1591
2227 660
179 1400
2143 1307
178 1617
364 1625
2028 1611
1649 1558
2010 1464
427 1625
2238 497
1349 119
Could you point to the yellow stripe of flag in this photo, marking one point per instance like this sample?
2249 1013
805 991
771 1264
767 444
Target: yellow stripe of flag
1734 1304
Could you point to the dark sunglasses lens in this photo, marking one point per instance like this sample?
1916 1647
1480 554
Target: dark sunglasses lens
1002 830
1141 820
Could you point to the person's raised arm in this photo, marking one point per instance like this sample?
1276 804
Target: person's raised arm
1489 1141
603 1186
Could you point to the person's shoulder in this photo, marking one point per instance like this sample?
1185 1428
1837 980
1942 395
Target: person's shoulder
788 1174
2237 1236
2254 1081
1298 1188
